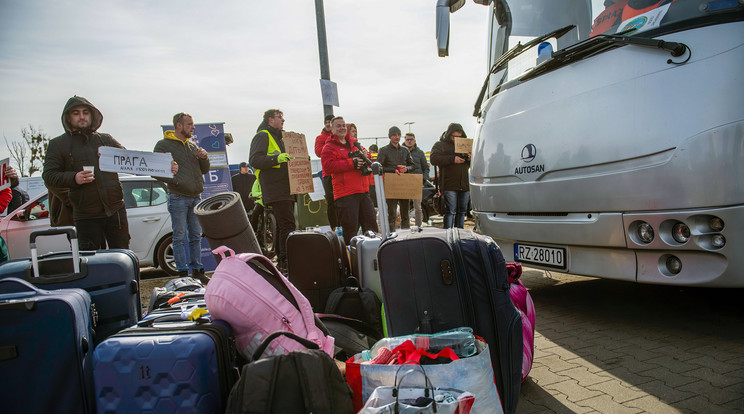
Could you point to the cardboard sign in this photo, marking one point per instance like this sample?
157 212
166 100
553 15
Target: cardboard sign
117 160
295 145
404 186
463 145
4 181
300 168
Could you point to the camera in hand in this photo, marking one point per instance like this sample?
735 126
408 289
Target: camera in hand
365 168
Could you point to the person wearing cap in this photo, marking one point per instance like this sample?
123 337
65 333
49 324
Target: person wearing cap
320 141
96 196
454 176
242 183
396 158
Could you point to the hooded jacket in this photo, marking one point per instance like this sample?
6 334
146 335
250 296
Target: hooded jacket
68 153
321 140
189 181
347 180
454 177
274 181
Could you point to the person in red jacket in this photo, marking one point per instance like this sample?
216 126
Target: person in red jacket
350 188
320 142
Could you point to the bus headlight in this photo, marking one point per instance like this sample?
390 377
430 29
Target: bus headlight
715 223
718 241
673 265
645 232
681 233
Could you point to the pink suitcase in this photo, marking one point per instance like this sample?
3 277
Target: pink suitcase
245 291
522 300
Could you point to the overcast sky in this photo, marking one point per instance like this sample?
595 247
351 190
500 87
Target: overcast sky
140 62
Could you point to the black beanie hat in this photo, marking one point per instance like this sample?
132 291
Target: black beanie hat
393 130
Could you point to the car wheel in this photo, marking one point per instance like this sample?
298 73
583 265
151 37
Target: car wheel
166 260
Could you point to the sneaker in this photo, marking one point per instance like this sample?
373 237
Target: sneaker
199 274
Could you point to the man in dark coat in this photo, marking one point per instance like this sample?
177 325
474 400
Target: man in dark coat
269 156
242 183
96 196
454 176
190 163
397 159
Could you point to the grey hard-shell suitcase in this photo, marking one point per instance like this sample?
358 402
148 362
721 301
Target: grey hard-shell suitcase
364 265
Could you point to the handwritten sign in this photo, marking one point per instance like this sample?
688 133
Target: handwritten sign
119 160
404 186
4 181
300 176
295 145
463 145
300 169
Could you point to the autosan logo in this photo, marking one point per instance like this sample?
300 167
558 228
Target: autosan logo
529 152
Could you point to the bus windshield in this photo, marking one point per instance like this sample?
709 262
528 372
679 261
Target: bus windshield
515 24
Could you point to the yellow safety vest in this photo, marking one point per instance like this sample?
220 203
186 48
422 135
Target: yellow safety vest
273 147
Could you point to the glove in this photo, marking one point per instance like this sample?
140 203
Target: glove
283 157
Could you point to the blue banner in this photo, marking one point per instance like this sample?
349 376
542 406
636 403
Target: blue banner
211 137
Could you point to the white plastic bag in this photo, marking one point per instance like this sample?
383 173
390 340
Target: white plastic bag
417 400
473 374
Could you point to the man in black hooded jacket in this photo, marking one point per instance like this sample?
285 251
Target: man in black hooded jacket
268 155
96 196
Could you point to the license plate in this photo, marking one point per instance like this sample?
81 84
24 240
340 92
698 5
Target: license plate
544 256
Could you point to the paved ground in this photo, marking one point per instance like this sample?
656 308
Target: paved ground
616 347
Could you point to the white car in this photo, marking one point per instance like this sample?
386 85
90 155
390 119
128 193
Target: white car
147 213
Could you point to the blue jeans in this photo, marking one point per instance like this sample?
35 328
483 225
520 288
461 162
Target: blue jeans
184 222
455 204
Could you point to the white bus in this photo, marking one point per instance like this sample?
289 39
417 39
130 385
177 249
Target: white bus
610 137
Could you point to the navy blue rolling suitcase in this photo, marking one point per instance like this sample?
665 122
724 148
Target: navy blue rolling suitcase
173 367
111 277
434 280
45 349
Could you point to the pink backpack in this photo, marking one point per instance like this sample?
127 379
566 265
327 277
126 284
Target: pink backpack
255 309
522 300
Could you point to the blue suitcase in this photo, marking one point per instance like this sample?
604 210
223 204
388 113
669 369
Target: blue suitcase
173 367
45 349
111 277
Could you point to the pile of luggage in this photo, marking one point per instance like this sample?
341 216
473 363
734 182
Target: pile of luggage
423 320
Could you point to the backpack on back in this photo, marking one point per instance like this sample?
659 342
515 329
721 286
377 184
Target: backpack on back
248 292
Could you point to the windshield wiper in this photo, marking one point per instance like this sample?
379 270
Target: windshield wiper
511 54
601 43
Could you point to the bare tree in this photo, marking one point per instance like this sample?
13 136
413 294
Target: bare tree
37 142
30 153
19 154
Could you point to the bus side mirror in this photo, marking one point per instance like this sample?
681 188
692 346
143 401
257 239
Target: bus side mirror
444 8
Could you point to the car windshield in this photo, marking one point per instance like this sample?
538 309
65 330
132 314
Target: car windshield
514 23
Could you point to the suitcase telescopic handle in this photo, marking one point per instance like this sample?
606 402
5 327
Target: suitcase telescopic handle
68 231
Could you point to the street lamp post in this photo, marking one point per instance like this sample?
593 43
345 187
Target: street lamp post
409 125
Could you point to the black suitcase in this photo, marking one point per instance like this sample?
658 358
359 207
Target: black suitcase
45 349
435 279
317 264
111 277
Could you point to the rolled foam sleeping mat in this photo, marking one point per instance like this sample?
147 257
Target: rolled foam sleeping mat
224 222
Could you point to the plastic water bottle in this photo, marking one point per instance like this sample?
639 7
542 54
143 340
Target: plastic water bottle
340 231
461 340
